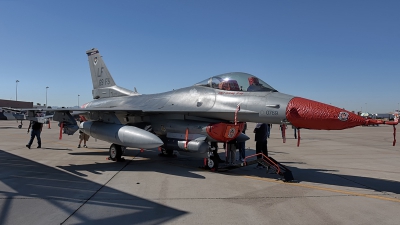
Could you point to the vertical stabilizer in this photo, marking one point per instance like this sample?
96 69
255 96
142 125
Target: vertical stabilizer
101 77
103 83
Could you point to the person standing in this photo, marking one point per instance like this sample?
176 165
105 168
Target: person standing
295 132
242 146
36 130
82 137
268 130
231 152
261 135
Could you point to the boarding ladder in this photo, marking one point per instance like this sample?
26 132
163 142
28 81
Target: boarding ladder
271 164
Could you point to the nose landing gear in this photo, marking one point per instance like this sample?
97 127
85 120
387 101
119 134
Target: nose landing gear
211 162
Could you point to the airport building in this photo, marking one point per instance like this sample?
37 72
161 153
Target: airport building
15 104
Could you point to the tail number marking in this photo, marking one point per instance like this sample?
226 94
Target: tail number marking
269 113
105 81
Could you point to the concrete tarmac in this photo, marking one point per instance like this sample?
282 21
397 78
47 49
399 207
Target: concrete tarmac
344 177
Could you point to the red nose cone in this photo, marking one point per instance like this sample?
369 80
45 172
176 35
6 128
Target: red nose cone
304 113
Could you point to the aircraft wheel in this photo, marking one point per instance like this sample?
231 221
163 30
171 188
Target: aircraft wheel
212 163
167 152
115 152
19 126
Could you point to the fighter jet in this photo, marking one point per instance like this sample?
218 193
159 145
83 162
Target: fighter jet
7 113
188 119
12 114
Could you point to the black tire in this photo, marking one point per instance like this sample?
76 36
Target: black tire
212 163
19 126
115 152
167 152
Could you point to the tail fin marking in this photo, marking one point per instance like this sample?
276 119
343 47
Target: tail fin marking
103 83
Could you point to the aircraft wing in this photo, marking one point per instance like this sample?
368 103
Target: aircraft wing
135 110
11 109
78 111
83 109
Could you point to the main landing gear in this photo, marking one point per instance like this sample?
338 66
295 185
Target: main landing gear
166 152
116 152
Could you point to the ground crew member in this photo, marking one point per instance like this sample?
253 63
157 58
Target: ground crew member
261 135
36 130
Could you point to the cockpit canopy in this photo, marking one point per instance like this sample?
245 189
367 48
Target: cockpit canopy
237 82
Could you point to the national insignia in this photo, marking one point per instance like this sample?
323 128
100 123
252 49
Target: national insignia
232 132
343 116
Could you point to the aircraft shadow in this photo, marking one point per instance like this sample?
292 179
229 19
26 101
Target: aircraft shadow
6 128
89 153
148 160
154 164
29 191
329 177
325 177
59 149
188 164
99 148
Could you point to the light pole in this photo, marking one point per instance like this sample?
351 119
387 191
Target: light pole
16 90
46 96
78 100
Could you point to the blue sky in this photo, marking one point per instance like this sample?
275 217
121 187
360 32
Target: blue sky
344 53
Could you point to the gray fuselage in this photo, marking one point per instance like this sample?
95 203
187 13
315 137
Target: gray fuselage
196 101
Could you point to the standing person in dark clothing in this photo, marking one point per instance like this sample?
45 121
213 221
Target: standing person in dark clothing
36 130
295 131
268 130
261 135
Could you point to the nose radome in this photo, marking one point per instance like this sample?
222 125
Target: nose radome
305 113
